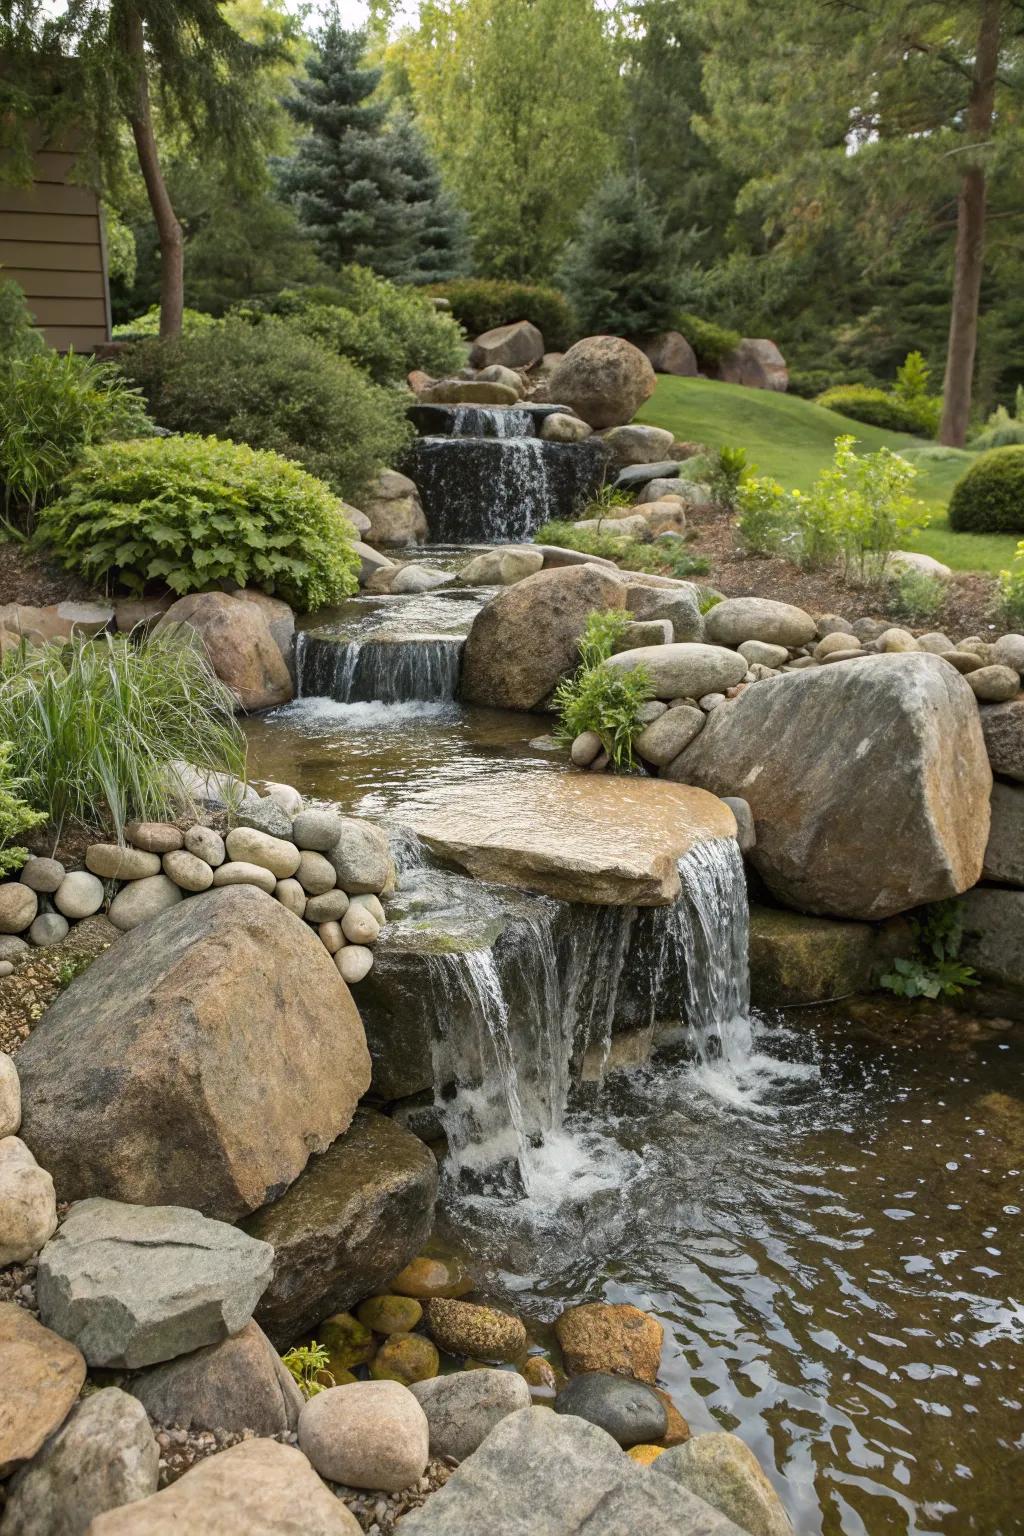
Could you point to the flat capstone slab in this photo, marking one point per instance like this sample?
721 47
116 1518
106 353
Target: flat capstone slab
132 1285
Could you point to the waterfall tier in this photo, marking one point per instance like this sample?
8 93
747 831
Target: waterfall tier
388 669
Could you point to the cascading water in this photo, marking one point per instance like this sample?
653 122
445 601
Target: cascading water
388 670
488 421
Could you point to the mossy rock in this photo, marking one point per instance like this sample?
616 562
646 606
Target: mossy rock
799 959
348 1341
406 1357
390 1314
425 1277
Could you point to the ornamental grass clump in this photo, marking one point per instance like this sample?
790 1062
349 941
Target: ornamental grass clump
603 699
191 512
99 728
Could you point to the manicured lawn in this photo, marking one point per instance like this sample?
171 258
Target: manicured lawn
791 439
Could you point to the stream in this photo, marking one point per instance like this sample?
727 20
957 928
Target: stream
823 1211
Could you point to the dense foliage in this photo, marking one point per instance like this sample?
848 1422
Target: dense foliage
858 511
603 699
383 328
271 387
711 342
192 512
621 272
1003 429
481 303
989 496
935 970
51 409
364 184
18 338
16 815
880 408
99 727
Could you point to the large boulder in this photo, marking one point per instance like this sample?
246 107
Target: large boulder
757 363
395 511
105 1456
604 379
525 639
42 1375
239 643
868 783
994 935
1004 856
135 1284
570 1473
257 1488
638 444
198 1062
1003 729
739 619
518 345
347 1226
670 352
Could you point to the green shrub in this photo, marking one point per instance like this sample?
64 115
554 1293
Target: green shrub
666 557
879 408
149 323
916 596
989 496
307 1364
935 970
97 726
724 478
621 270
1011 590
18 337
270 387
603 699
768 516
1003 430
191 512
710 342
381 327
16 815
481 303
51 409
809 383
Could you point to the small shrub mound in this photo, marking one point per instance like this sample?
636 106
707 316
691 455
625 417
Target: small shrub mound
879 408
989 497
1003 429
189 512
481 303
271 387
16 815
711 342
378 326
97 727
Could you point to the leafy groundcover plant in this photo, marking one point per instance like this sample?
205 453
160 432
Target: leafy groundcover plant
603 699
16 815
98 727
190 512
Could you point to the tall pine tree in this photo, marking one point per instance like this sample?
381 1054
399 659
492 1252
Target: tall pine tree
365 188
622 272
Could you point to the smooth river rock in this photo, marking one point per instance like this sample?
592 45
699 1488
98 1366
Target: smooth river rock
240 646
104 1456
200 1061
131 1285
525 639
464 1407
869 784
630 1411
258 1488
556 1475
346 1226
238 1384
758 618
28 1206
368 1434
684 671
577 837
42 1375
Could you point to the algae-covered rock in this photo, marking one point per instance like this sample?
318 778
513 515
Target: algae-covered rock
462 1328
800 959
405 1357
390 1314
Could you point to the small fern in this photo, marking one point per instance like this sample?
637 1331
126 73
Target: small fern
600 698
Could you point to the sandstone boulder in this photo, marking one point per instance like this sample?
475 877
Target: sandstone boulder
395 511
257 1488
346 1226
869 784
604 379
42 1375
28 1207
560 427
525 639
104 1456
638 444
614 1337
670 352
468 392
757 363
518 345
239 644
199 1062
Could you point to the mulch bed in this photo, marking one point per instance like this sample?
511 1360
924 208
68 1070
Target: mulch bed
36 581
968 608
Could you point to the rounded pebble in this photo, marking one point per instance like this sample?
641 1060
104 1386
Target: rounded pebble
390 1314
315 873
79 895
188 870
238 872
18 906
329 908
140 900
317 830
112 862
48 928
371 1434
630 1411
247 846
331 936
354 962
405 1357
360 926
425 1276
372 904
42 875
154 836
207 845
287 797
291 895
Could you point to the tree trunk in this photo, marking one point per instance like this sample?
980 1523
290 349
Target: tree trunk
169 232
970 237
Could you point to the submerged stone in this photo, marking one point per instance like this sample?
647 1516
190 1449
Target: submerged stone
630 1411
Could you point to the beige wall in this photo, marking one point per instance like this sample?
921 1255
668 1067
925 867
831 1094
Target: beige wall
52 245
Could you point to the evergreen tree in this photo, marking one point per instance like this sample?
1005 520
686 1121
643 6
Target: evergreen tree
622 272
365 188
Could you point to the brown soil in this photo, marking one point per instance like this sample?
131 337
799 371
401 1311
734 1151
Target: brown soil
30 578
967 610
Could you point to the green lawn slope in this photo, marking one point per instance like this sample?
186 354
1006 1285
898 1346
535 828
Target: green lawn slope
792 440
